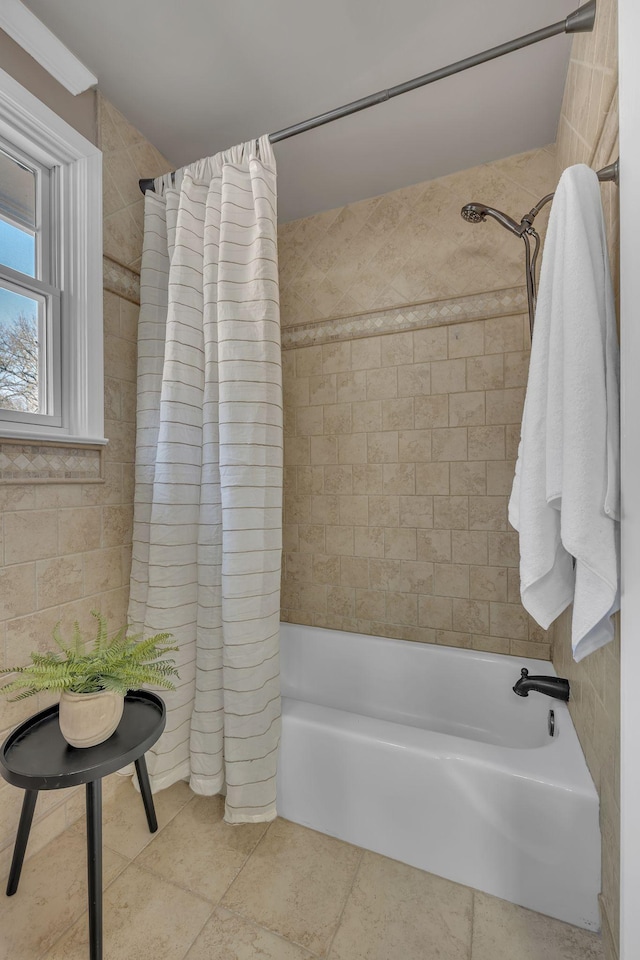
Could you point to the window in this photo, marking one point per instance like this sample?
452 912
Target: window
51 379
30 368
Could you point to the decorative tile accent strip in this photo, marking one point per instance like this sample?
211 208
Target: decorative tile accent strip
432 313
42 462
120 280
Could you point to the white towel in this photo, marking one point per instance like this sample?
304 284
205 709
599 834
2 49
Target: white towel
565 496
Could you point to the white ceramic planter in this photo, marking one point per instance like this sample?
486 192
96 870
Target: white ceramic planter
87 719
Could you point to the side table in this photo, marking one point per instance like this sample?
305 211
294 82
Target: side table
37 757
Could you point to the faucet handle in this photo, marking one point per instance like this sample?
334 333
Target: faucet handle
524 673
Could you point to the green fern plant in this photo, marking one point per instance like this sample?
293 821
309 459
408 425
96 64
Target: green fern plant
120 663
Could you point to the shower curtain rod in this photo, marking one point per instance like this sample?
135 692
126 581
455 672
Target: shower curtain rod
580 21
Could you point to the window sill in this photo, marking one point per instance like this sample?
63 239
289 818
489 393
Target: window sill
41 437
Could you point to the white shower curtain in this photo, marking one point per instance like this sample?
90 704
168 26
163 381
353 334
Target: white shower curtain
208 503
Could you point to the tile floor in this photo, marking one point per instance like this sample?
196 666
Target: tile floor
202 890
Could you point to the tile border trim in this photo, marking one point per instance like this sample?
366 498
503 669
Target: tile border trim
125 283
43 462
431 313
121 280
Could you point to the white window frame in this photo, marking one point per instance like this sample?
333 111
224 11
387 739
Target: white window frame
36 130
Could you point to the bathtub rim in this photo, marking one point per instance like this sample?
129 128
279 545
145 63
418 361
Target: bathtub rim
559 763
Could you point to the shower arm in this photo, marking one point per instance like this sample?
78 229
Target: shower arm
580 21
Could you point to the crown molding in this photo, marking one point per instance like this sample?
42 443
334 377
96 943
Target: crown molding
40 43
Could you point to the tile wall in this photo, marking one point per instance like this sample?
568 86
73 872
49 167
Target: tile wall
588 133
411 245
400 444
66 547
399 456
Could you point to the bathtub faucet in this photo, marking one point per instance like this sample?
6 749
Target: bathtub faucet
556 687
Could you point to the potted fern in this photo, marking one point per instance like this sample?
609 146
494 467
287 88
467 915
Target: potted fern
93 682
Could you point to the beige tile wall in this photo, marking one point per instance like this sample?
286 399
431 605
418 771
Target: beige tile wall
400 448
127 156
588 133
399 456
66 548
410 245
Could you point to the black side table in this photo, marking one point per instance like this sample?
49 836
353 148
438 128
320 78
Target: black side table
37 757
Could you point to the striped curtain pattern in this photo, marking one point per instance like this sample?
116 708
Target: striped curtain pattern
207 536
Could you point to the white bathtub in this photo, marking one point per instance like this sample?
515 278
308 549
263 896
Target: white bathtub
425 754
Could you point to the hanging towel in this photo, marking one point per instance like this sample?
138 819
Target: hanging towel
565 496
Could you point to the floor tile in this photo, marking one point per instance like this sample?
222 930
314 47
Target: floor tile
395 910
197 850
295 883
502 931
144 917
298 895
125 827
229 937
51 895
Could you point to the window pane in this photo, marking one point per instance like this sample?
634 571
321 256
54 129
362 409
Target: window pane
17 191
18 215
17 248
21 320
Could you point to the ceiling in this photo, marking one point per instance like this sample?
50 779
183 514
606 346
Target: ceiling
198 76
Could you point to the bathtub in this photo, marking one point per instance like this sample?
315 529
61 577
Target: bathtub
424 754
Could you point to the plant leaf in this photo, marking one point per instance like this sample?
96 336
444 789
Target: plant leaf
120 663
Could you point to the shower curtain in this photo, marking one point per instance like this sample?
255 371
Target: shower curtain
207 535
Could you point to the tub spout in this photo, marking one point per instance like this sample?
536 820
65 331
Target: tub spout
556 687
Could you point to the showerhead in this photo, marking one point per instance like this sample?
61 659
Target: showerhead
473 213
478 212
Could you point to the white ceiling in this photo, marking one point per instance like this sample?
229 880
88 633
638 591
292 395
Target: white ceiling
197 76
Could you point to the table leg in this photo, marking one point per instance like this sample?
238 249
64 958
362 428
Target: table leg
147 797
28 806
94 865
